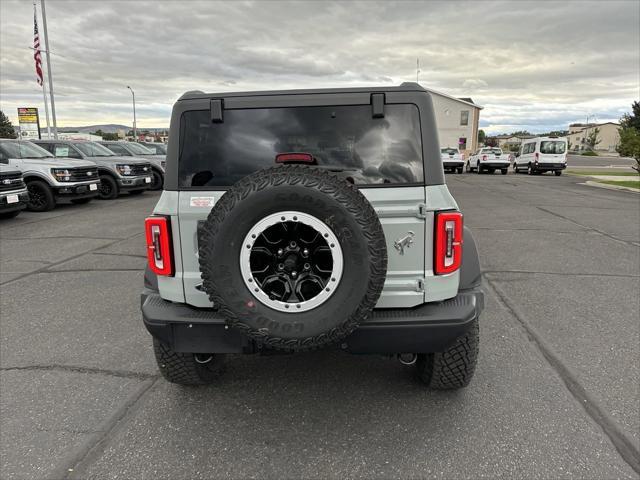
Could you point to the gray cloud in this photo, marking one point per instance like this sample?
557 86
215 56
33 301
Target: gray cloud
534 65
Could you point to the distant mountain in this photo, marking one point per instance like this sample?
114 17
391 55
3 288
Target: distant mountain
108 128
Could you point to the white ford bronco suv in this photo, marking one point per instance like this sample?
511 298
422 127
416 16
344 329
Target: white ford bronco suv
306 219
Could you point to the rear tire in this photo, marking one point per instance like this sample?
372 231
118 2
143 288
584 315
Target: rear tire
459 170
504 171
479 168
41 197
453 368
558 173
187 368
108 188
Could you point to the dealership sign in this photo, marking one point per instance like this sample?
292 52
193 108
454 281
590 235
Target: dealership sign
29 123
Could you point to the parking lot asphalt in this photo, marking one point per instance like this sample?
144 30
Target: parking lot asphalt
556 393
583 161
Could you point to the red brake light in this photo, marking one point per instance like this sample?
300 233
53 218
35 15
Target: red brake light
448 252
484 157
159 252
295 157
537 156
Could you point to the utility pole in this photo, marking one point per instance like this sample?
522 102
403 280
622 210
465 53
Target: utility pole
135 130
46 46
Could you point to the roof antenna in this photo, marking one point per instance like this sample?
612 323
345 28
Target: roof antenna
417 70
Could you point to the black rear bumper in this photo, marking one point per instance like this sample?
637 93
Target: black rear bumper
428 328
546 167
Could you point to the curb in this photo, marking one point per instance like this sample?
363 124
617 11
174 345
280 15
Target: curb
589 183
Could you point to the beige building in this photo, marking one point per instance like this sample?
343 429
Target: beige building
507 141
608 135
457 120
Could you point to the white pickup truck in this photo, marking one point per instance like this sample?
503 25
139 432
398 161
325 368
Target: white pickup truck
452 160
488 159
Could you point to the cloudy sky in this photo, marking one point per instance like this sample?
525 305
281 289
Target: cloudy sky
535 66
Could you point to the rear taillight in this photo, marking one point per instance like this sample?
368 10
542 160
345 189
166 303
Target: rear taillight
448 253
484 157
537 156
159 252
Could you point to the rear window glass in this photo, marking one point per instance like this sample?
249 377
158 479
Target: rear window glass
551 147
372 150
495 151
449 151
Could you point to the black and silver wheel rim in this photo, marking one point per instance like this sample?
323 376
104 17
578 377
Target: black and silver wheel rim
37 198
105 189
291 261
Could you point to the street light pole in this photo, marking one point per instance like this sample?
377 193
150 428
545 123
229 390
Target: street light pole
135 130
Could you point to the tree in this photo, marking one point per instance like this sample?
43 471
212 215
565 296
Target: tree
481 136
629 145
109 136
491 142
6 128
592 138
633 119
520 133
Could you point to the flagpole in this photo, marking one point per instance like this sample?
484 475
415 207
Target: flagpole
46 110
46 46
44 89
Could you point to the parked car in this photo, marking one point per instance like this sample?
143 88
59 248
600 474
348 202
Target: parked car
336 230
452 159
132 149
488 159
117 174
542 154
50 179
13 192
156 147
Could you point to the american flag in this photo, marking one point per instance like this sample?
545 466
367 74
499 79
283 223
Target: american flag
36 48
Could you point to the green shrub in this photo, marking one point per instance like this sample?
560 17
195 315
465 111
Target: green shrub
590 153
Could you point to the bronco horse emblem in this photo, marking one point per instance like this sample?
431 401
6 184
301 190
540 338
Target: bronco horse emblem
404 242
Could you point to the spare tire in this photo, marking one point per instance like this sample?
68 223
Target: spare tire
293 256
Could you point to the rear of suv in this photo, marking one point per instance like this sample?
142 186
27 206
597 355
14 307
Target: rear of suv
50 180
299 220
117 174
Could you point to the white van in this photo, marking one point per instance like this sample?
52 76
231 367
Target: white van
542 154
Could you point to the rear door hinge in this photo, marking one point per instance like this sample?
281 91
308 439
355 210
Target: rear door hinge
422 211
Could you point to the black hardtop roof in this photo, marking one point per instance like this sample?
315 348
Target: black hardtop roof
404 87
